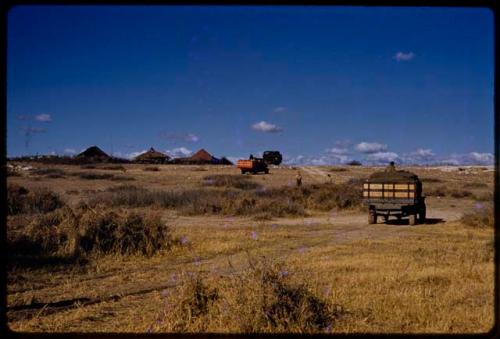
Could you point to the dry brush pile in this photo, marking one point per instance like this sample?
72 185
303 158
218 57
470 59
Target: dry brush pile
41 225
263 298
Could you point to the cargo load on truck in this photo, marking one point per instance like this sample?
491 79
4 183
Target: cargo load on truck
394 193
252 165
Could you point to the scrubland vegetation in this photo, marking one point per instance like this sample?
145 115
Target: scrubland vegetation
234 253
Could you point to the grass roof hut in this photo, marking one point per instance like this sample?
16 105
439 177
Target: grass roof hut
94 154
152 157
203 157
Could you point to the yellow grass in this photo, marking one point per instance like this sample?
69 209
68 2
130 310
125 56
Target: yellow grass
384 278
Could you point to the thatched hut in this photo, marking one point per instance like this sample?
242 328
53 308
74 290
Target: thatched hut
93 154
152 157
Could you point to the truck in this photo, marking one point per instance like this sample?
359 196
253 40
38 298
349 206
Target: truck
253 165
394 193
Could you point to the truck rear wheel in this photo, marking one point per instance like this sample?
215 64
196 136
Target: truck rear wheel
372 217
422 216
243 171
266 171
413 219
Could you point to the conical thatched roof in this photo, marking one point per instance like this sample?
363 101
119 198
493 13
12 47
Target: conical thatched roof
151 156
202 155
93 152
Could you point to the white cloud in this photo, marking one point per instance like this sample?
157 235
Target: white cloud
266 127
179 152
179 137
44 117
481 158
370 147
401 56
190 137
279 109
337 150
322 160
420 156
69 151
382 157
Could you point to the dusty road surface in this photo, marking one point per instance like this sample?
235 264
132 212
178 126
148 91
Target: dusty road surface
389 277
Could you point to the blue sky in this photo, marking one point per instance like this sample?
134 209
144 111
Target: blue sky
323 85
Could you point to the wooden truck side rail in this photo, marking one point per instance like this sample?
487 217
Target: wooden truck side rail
389 191
394 198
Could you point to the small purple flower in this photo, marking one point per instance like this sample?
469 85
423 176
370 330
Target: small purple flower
478 206
173 277
254 235
326 291
150 329
261 189
197 260
164 293
284 273
184 240
225 226
328 328
273 226
302 249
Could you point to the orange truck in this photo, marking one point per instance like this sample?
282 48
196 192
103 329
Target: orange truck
253 166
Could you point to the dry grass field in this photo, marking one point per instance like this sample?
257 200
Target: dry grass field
166 248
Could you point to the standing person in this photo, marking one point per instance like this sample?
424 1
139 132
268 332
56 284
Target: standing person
298 177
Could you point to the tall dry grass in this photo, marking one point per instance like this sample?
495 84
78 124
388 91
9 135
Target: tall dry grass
276 202
261 299
40 200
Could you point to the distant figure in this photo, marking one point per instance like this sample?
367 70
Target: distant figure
391 167
298 177
330 180
251 157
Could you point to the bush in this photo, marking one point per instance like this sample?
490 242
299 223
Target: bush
49 172
475 185
152 168
338 169
439 191
481 217
262 298
456 193
96 176
277 202
79 232
113 168
230 181
40 200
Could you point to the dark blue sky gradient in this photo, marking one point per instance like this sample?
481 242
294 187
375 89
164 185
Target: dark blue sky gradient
127 78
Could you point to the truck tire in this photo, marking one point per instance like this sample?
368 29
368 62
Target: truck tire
413 219
266 171
243 171
422 215
372 217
